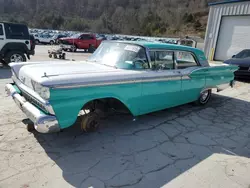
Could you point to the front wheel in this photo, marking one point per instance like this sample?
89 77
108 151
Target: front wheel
51 42
15 56
90 122
204 97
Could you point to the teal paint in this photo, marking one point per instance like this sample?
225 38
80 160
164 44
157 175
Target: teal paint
146 97
140 98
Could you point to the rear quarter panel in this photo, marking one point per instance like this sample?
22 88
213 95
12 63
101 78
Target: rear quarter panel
216 75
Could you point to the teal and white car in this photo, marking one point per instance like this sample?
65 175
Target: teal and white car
141 77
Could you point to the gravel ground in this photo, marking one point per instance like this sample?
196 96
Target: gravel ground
186 146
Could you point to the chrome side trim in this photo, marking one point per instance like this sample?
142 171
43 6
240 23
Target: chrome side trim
43 123
111 82
186 77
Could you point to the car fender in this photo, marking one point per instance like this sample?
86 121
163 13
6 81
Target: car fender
18 46
67 103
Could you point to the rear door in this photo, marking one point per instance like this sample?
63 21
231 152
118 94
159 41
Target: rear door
192 84
2 36
161 87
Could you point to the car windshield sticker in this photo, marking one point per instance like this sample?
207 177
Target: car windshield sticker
132 48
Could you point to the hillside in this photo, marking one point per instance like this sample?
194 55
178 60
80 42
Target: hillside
140 17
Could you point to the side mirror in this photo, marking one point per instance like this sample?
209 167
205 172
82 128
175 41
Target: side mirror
233 56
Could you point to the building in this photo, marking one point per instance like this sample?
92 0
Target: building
228 29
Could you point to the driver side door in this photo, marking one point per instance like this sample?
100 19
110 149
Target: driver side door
161 86
84 41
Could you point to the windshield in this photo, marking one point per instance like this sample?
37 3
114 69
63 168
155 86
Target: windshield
120 55
76 35
243 54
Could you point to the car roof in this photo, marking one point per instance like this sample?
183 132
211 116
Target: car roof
159 45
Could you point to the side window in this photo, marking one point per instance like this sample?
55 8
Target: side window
163 60
185 60
1 30
86 37
152 56
16 31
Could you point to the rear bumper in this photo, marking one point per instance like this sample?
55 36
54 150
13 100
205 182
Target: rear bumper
43 123
31 52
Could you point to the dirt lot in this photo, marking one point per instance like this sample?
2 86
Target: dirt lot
186 146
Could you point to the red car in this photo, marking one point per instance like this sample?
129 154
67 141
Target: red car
80 41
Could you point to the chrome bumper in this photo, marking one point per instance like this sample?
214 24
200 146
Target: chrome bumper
43 123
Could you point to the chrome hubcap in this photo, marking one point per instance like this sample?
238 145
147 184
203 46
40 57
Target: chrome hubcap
204 95
16 58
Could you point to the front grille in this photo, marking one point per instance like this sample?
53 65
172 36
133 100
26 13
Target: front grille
33 100
244 68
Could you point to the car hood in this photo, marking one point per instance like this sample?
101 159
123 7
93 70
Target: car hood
57 73
239 62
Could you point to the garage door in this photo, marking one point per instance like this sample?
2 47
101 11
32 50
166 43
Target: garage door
234 36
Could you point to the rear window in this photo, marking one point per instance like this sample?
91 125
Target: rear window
1 30
185 60
16 31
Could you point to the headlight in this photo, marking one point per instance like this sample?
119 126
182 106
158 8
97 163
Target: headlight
41 90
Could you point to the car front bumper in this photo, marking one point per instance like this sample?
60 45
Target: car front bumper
43 123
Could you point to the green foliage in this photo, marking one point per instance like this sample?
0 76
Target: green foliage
188 18
153 25
140 17
76 24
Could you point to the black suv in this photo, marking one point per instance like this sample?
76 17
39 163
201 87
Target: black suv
15 43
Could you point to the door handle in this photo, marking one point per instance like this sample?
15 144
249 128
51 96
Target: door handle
1 38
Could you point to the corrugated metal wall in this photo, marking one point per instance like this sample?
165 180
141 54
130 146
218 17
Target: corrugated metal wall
214 19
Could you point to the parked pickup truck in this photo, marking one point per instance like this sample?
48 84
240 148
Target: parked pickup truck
137 77
80 41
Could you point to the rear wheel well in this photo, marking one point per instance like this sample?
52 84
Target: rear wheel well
16 50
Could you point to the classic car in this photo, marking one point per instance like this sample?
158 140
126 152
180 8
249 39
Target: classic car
140 77
242 59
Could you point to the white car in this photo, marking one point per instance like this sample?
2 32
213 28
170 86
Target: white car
44 39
